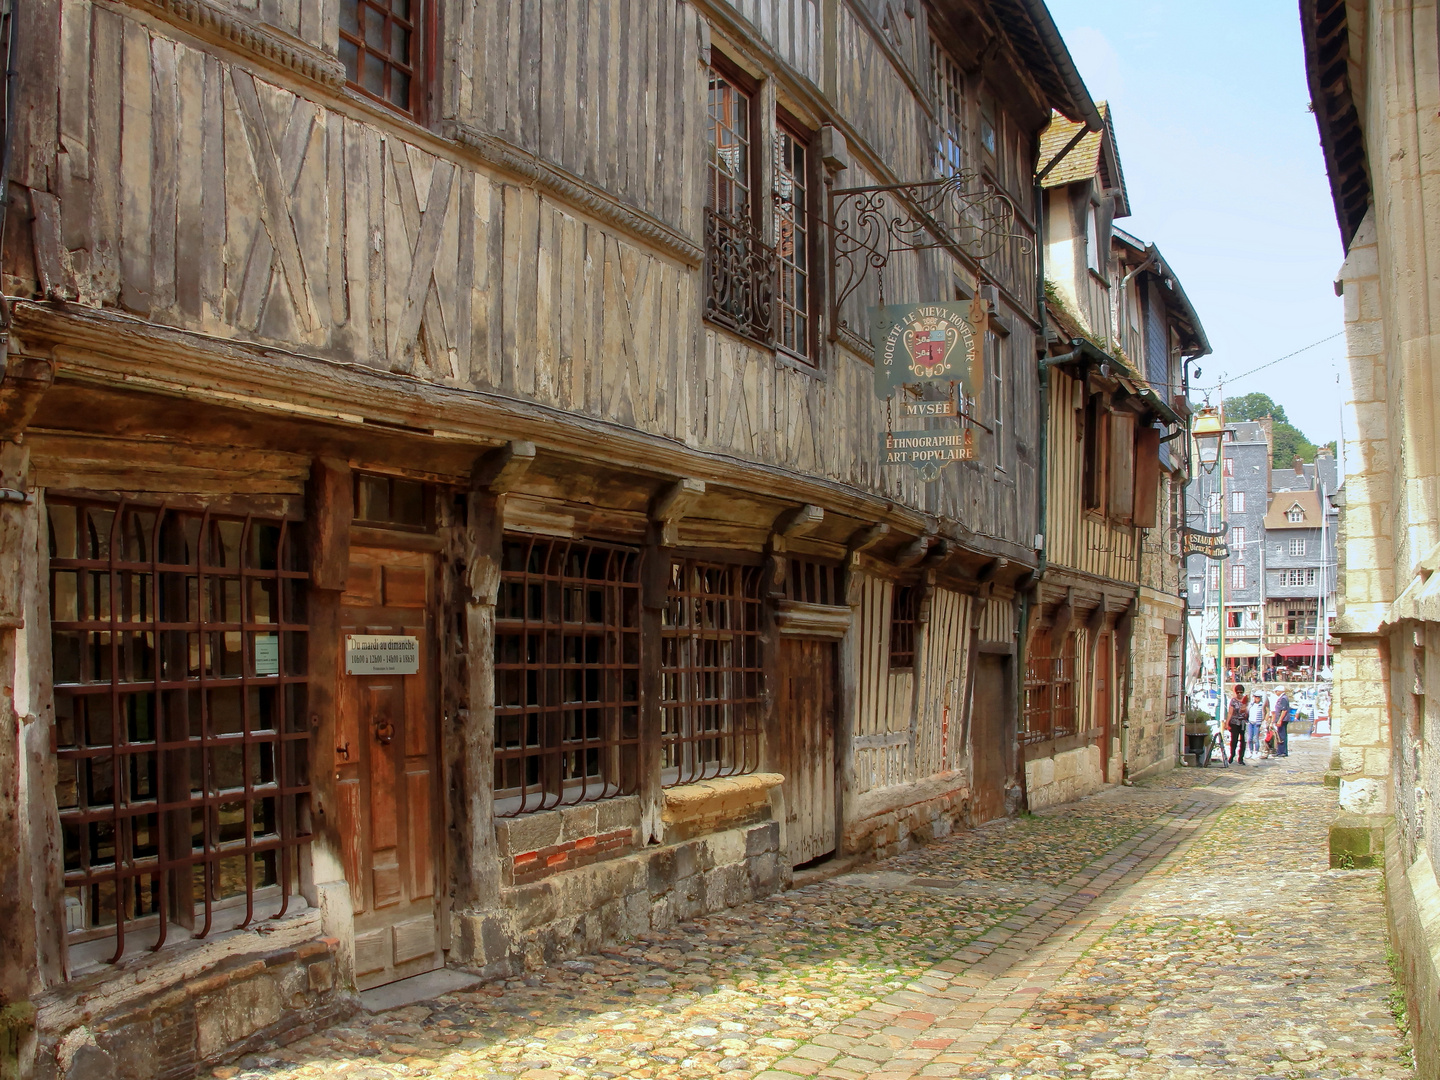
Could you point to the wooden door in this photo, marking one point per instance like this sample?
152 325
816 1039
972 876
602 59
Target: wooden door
807 718
387 770
1104 698
991 741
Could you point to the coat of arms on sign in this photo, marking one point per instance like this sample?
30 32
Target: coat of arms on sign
923 343
930 344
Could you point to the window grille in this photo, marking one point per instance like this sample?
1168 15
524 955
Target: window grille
380 50
904 606
1229 466
739 266
1237 576
1295 515
394 502
1237 538
567 673
1237 502
1297 546
1050 701
1173 669
815 583
792 243
711 672
181 719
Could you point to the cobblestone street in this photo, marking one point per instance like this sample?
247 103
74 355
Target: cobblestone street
1187 927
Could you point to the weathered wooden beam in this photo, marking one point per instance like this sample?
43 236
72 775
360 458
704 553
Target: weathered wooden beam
990 569
1064 616
330 499
22 386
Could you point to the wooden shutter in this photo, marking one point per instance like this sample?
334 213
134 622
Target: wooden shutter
1147 476
1122 465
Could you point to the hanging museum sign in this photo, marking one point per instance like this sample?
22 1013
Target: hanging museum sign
1211 545
928 451
923 343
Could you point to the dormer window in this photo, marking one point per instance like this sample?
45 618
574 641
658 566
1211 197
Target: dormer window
1295 514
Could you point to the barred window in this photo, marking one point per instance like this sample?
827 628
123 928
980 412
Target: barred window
181 720
815 583
711 672
904 606
792 242
567 673
1050 700
380 46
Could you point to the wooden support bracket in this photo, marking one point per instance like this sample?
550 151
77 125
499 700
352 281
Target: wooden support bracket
22 385
670 506
1064 616
867 536
500 470
914 552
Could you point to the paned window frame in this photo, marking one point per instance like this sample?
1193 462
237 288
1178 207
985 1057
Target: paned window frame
712 671
362 52
168 623
1051 707
796 232
568 673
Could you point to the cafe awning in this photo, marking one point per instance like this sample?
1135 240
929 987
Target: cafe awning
1305 650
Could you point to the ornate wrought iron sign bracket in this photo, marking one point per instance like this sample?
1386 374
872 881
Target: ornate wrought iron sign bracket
963 214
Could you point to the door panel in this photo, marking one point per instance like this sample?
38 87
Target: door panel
387 773
991 746
807 734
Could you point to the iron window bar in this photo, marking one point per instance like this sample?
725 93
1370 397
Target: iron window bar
168 736
567 674
711 672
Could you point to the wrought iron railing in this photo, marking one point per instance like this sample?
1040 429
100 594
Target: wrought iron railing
740 272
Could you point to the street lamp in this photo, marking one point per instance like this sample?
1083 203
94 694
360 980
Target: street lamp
1207 431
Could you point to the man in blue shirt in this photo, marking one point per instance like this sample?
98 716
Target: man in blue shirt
1282 723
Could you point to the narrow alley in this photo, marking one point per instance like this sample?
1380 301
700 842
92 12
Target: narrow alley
1186 927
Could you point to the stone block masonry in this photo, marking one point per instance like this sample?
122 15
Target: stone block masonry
236 1006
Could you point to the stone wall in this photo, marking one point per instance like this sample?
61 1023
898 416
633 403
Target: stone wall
1152 740
240 1004
1070 775
583 897
887 821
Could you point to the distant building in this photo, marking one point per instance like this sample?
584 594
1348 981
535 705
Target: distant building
1246 494
1300 546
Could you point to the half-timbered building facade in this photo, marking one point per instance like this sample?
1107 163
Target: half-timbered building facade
1103 653
441 513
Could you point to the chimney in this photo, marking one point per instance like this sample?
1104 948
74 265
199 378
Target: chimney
1300 467
1267 425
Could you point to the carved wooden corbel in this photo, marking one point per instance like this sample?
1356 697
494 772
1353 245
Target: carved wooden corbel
912 553
670 506
494 474
1064 616
990 569
867 536
789 524
22 386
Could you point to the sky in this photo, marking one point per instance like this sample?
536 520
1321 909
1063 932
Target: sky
1224 172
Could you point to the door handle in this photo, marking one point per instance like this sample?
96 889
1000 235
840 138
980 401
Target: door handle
384 732
343 750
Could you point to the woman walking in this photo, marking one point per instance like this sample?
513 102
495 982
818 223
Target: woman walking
1236 718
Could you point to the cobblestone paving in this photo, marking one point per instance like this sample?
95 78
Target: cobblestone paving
1184 928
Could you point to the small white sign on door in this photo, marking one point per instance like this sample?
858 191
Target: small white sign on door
381 654
267 654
